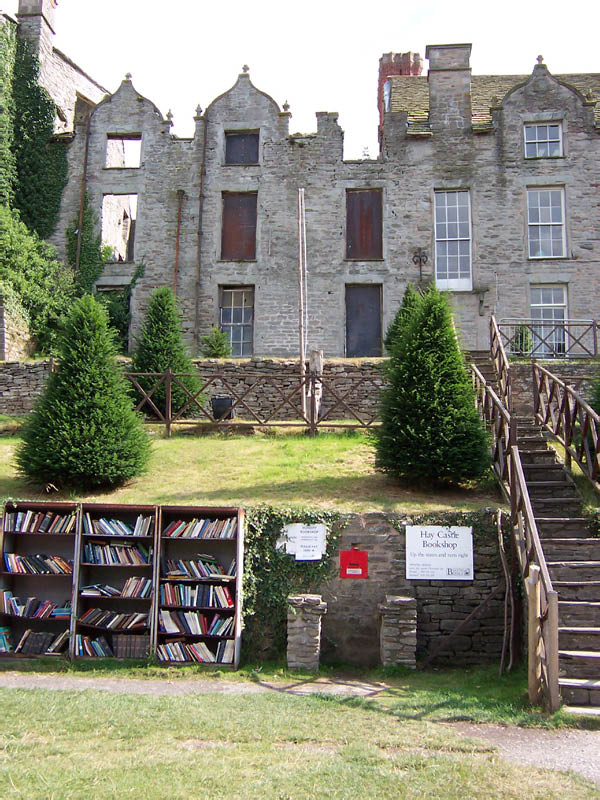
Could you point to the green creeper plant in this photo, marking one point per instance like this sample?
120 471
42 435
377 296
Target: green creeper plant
8 167
161 347
216 344
430 428
92 256
83 432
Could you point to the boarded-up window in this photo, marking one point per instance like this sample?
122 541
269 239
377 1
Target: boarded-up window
364 238
241 148
363 320
238 236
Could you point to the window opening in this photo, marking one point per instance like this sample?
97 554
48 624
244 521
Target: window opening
123 151
543 141
241 147
453 240
364 224
119 217
546 223
549 307
236 314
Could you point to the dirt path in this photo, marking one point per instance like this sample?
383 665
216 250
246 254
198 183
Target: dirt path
574 750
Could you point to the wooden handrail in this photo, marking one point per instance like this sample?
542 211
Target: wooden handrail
541 597
570 419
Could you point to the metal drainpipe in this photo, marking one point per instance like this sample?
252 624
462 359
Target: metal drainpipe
83 188
180 196
200 230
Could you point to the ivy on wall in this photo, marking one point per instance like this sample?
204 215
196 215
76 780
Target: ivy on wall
270 575
91 257
8 172
118 305
41 164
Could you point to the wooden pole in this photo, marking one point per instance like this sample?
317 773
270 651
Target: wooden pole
534 638
316 388
168 401
301 297
551 645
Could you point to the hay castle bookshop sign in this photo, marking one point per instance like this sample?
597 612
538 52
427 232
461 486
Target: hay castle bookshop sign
439 553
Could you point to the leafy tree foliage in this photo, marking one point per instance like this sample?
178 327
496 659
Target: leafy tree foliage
41 163
430 427
216 344
410 301
161 346
83 431
44 286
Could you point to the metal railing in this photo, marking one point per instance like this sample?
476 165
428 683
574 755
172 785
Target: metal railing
572 338
542 599
572 421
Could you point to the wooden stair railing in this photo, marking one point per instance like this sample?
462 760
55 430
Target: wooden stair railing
501 365
542 599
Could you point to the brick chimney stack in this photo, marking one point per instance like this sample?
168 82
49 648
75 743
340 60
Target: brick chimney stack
391 64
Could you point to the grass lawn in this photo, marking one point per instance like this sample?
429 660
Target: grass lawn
82 744
331 471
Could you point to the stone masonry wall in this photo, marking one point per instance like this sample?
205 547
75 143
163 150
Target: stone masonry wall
20 384
15 341
577 374
350 629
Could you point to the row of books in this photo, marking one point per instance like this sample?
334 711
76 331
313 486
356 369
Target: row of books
39 522
128 554
203 566
37 643
133 587
144 526
200 595
39 564
194 623
182 652
32 607
101 618
5 640
202 529
86 646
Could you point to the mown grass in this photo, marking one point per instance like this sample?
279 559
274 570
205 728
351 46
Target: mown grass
331 471
83 744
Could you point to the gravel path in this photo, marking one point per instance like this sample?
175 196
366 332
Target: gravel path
575 750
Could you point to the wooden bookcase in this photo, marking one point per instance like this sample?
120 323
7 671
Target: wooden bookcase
211 539
112 539
98 592
25 532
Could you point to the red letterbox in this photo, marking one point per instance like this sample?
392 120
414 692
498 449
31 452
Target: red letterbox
354 564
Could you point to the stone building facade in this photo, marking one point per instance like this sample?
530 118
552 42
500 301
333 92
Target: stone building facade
494 179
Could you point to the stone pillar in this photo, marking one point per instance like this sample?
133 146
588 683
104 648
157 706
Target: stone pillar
398 633
304 631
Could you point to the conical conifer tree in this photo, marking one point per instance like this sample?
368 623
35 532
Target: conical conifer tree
83 431
430 429
410 301
161 346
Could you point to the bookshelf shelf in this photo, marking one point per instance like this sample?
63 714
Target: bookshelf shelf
118 536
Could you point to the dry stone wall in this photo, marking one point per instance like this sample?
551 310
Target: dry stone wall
20 384
578 374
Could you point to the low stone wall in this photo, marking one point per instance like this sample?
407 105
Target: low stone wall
20 384
350 629
578 374
15 340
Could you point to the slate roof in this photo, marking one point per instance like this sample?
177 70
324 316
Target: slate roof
411 94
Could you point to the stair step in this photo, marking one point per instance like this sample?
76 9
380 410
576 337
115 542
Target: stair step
532 456
579 663
579 638
556 506
574 570
580 691
550 489
577 590
572 549
532 443
561 527
579 613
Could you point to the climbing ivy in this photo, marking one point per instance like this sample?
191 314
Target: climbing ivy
92 256
8 174
270 574
118 307
41 164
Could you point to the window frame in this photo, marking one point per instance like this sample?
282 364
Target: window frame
353 242
460 284
546 224
558 341
229 255
547 141
228 327
229 135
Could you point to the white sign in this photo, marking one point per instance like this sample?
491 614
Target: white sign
306 542
439 553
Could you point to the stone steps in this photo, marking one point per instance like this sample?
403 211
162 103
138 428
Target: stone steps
575 590
578 613
562 527
572 638
580 691
555 506
574 570
544 489
533 457
579 663
571 549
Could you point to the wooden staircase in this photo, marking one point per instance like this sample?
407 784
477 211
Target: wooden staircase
572 554
573 559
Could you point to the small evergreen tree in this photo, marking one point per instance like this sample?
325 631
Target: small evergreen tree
410 301
160 347
216 344
83 431
430 427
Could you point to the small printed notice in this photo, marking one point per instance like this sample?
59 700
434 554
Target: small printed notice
305 542
439 553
